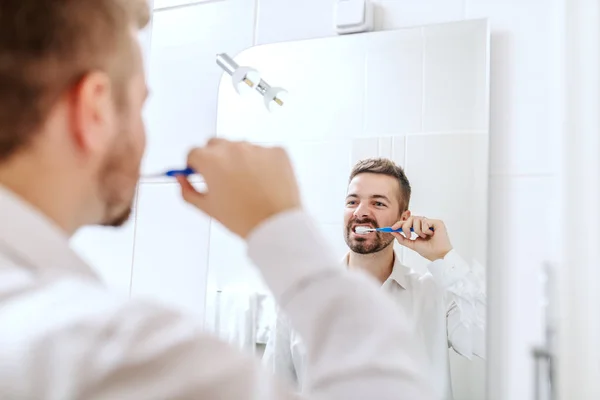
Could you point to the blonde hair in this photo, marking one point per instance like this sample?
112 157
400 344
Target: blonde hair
47 46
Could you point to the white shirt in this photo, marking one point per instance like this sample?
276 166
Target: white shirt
442 308
63 335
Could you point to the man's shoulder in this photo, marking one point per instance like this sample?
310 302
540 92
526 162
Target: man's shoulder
422 280
73 323
53 306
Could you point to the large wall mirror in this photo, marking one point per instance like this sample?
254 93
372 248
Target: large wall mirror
415 97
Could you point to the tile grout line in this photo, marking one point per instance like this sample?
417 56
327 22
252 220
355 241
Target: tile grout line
255 24
523 175
371 136
423 49
135 226
405 161
185 4
365 90
206 273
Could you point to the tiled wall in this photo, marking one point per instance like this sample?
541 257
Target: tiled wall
524 137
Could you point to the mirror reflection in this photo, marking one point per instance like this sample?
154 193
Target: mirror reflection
385 130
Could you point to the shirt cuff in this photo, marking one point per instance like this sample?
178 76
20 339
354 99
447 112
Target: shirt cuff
289 249
449 270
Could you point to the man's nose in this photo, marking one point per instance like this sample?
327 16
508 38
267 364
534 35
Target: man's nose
361 211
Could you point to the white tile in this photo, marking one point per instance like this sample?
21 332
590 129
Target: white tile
523 235
286 20
448 176
322 171
171 245
399 150
325 81
184 76
109 251
386 145
394 82
456 77
364 148
525 115
228 261
391 147
393 14
145 40
228 266
468 376
334 234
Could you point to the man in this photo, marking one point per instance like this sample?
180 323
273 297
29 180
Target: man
445 307
71 140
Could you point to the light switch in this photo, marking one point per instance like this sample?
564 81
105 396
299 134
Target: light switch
353 16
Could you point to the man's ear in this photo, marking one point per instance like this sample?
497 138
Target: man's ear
405 215
93 112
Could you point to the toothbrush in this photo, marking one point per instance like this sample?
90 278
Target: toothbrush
361 230
173 173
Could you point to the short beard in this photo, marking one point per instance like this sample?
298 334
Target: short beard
114 179
364 245
116 211
360 246
118 220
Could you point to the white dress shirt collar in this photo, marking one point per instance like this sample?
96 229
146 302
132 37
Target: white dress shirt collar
398 275
35 241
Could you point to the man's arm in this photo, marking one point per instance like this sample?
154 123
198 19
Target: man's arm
466 299
110 348
466 292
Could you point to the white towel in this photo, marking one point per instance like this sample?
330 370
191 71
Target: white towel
265 317
235 319
243 317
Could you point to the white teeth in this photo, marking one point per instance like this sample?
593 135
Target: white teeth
362 230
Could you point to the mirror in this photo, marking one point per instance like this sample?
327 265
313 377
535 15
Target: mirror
418 97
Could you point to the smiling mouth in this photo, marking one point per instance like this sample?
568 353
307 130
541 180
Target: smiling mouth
362 229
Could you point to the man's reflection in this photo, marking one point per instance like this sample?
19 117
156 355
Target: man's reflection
446 304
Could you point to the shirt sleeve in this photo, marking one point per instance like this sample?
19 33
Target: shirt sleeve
466 302
79 341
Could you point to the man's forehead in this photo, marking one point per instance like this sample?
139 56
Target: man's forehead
368 184
372 187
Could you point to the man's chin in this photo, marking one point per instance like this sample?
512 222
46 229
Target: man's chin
118 220
364 240
359 249
365 246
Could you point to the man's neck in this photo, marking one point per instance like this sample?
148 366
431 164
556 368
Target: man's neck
43 190
379 265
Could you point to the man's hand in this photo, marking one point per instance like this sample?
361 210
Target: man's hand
246 183
433 245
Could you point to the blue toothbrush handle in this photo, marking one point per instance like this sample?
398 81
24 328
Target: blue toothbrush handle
389 230
185 172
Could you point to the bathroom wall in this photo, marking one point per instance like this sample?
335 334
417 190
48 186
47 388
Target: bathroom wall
163 251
